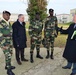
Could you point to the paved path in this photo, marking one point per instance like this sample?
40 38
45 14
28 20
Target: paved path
39 67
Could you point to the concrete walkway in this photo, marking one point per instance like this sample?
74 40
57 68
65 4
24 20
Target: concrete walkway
39 67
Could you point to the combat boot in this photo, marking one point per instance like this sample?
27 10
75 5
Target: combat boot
47 54
38 55
12 67
51 56
9 72
31 58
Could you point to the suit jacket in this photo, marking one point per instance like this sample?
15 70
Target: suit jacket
19 35
70 48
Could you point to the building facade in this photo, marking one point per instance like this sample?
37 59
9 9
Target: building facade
63 18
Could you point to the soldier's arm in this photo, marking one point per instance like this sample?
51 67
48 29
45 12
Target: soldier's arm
1 35
10 31
11 43
45 28
45 24
56 25
30 30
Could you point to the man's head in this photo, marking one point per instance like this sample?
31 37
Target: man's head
51 12
6 15
21 17
74 18
37 16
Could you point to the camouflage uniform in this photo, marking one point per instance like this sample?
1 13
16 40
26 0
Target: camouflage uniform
6 41
50 32
35 32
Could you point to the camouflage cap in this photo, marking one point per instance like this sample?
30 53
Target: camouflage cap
4 12
51 10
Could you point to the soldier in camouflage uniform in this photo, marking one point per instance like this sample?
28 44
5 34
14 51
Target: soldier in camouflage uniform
6 41
35 32
50 32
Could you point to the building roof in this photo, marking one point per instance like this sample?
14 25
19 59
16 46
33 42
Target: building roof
62 14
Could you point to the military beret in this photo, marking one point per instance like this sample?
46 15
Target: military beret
51 10
6 12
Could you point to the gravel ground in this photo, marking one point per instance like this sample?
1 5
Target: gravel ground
39 67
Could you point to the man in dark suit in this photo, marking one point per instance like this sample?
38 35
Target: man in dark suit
70 48
19 38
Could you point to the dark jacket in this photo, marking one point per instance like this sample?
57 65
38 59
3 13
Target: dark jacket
70 48
19 35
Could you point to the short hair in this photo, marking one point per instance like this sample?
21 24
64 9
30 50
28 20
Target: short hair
20 15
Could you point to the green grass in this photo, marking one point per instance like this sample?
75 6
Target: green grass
65 26
60 41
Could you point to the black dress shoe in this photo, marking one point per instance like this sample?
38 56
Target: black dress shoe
19 62
12 67
24 59
72 74
66 67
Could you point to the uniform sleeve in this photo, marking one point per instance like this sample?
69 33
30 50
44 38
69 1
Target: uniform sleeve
1 34
44 28
56 25
45 25
30 29
11 42
10 31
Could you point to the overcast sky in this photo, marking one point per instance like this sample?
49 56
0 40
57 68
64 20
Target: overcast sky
17 6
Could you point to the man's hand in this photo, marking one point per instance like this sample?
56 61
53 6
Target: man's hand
5 47
32 40
55 35
60 29
17 45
